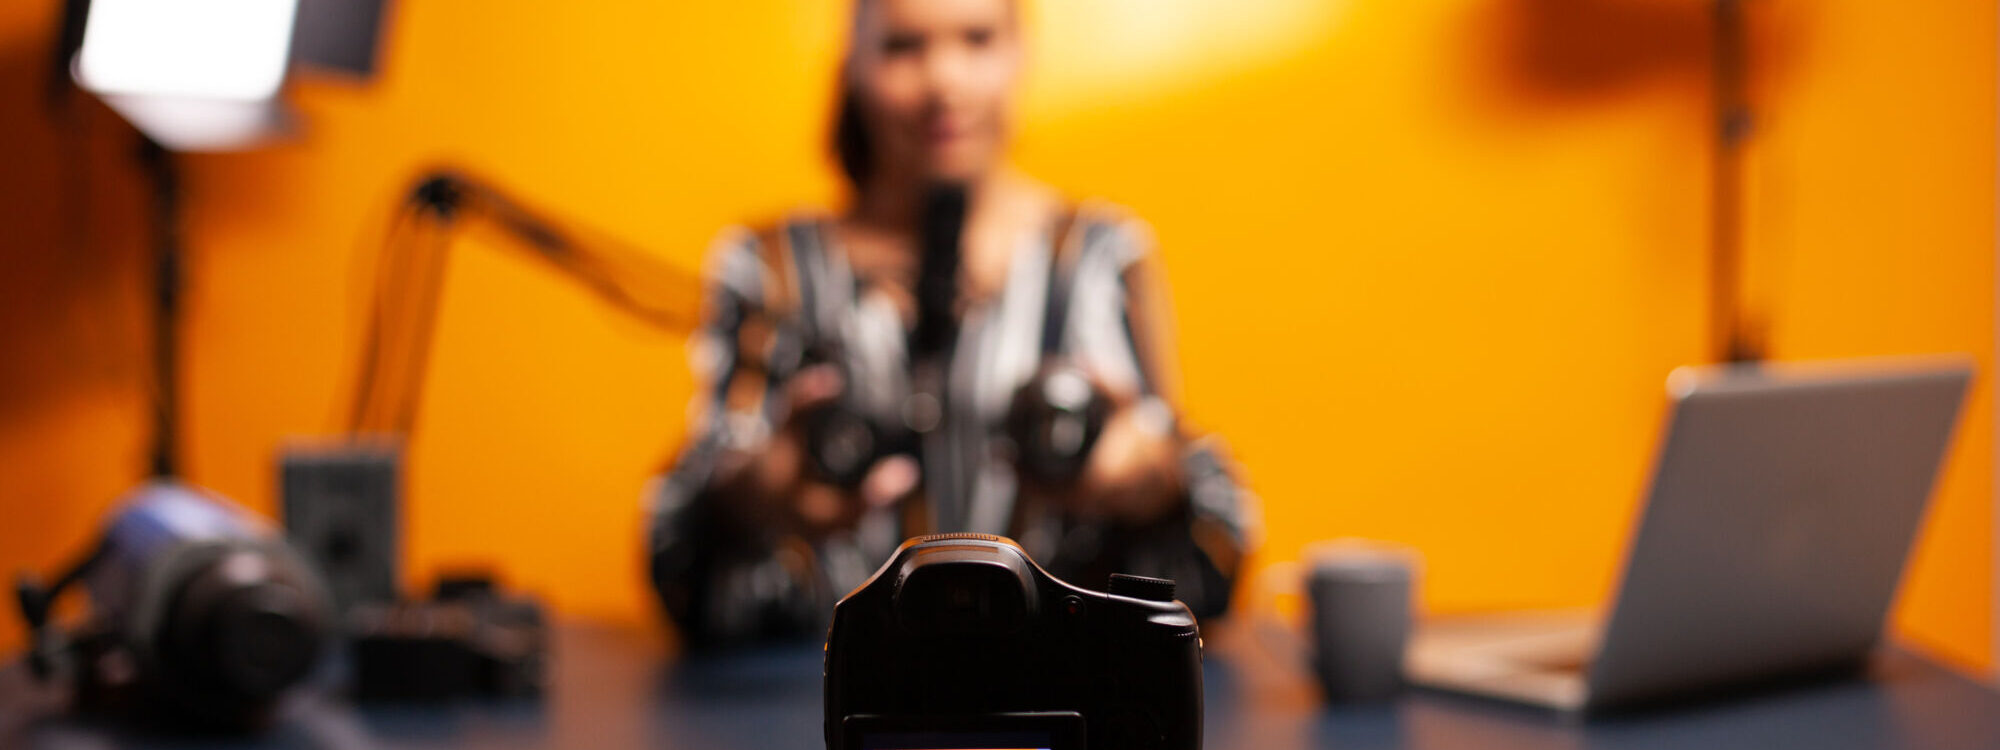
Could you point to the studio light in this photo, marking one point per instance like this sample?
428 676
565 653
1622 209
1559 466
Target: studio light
193 75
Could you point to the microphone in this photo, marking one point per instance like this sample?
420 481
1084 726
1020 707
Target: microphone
940 232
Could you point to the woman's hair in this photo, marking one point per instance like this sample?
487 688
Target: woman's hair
851 146
851 143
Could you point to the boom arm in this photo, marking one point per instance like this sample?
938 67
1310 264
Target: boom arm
411 280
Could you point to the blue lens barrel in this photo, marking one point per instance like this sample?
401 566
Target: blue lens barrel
220 615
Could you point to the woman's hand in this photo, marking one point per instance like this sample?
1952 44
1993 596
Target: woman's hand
1133 475
780 489
1130 473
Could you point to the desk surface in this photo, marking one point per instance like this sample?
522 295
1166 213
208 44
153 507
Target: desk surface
614 689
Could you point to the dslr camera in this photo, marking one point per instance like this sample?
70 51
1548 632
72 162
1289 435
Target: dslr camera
201 615
961 641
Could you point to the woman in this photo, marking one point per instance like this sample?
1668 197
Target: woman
751 540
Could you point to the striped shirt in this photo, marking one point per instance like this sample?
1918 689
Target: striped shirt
1085 292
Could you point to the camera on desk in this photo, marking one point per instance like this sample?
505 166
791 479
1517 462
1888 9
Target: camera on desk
201 616
962 641
468 639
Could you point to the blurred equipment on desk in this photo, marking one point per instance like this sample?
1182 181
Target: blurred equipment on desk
961 641
343 499
342 505
1783 504
468 639
201 616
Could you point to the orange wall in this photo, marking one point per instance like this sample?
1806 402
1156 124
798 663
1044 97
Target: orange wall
1461 239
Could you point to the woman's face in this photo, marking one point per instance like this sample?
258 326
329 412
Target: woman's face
936 80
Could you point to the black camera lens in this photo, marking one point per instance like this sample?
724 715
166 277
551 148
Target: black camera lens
239 625
842 445
1054 421
263 641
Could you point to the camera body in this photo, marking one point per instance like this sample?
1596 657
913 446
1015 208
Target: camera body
845 437
201 615
962 641
469 639
1054 420
844 442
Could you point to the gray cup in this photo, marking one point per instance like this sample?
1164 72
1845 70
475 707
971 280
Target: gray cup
1358 604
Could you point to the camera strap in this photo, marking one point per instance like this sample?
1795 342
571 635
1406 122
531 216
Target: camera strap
823 285
1075 232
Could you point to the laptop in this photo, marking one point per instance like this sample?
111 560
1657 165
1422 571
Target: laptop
1783 502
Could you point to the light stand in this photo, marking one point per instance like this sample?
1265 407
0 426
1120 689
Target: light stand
169 280
1734 336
